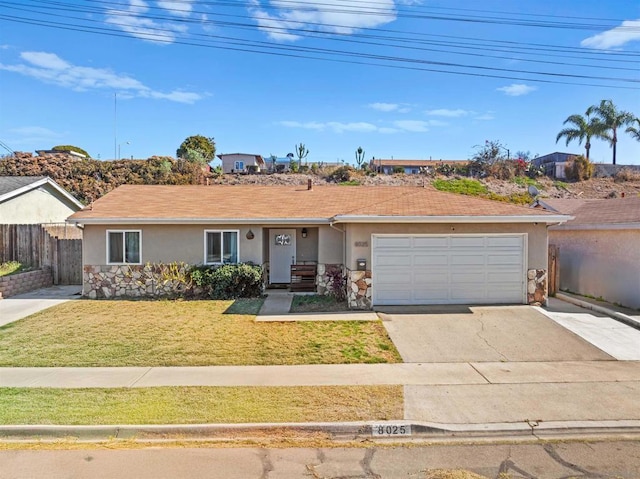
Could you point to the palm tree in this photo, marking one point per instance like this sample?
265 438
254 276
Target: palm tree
634 131
583 129
613 119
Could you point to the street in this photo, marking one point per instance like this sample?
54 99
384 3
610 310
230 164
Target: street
543 460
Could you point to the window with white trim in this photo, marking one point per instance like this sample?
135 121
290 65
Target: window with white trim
239 166
123 247
221 247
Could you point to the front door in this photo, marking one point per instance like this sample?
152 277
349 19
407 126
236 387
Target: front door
282 254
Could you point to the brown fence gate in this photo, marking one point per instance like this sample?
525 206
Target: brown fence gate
37 246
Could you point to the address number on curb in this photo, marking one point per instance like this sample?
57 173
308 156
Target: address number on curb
390 430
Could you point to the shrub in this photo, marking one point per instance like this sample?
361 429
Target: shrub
398 170
462 186
579 169
10 267
341 174
337 283
228 281
626 174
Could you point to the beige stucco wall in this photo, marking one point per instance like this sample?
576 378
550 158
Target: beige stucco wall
167 243
331 245
361 233
600 263
41 205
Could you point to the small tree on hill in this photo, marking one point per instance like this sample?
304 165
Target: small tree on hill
579 169
205 146
301 152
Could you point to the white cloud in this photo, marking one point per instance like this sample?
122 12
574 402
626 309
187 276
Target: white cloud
628 31
485 117
447 113
412 125
50 68
130 21
516 89
384 106
181 8
34 131
334 16
335 126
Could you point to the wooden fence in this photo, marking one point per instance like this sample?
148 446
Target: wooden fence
553 273
56 246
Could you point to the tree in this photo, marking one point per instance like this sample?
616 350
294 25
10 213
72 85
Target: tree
634 131
77 149
301 152
359 156
583 130
195 156
205 146
613 119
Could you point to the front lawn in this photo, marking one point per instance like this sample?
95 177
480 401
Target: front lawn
316 303
199 405
184 333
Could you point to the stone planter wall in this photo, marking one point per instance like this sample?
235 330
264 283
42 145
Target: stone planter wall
19 283
537 286
322 279
130 281
359 289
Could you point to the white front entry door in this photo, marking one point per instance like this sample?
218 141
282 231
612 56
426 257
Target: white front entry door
282 254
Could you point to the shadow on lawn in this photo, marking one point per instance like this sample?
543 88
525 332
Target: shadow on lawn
245 306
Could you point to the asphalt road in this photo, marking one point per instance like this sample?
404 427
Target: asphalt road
581 460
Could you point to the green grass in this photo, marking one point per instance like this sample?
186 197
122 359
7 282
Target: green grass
349 183
561 185
526 181
316 303
461 186
194 405
10 267
184 333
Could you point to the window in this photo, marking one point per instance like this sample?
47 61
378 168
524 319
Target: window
238 166
123 247
221 247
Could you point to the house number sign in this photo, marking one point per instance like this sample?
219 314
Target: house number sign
362 244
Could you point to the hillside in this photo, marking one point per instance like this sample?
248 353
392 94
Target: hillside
90 179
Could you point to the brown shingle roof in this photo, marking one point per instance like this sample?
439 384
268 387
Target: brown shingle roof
598 211
146 202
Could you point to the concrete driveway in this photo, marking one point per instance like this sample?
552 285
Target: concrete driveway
23 305
483 333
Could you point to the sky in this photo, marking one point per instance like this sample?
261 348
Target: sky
403 79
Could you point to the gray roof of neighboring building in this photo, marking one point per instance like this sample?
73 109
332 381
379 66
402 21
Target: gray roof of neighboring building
12 183
614 211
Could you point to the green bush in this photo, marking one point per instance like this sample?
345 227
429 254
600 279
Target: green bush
10 267
398 170
228 281
341 174
462 186
579 169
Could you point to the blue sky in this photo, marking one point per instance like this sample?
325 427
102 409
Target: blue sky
242 72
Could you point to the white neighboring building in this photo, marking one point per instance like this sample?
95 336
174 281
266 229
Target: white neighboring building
240 162
34 200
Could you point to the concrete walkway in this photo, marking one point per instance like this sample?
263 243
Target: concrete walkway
23 305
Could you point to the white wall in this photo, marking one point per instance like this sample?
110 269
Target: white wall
41 205
600 263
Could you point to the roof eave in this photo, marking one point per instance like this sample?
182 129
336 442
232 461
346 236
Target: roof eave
597 227
38 184
199 221
548 219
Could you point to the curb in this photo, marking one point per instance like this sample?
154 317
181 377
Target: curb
351 431
623 318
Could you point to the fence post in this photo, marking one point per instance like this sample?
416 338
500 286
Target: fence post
554 270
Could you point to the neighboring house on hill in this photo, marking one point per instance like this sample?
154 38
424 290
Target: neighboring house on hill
554 163
34 200
410 166
397 245
599 253
240 162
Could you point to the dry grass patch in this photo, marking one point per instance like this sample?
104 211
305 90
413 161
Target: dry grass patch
184 333
199 405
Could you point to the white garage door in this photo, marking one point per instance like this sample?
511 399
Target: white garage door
448 269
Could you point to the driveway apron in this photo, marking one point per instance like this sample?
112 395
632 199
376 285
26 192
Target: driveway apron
484 333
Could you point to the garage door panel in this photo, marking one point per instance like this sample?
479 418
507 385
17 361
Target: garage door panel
392 242
448 269
393 260
430 241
